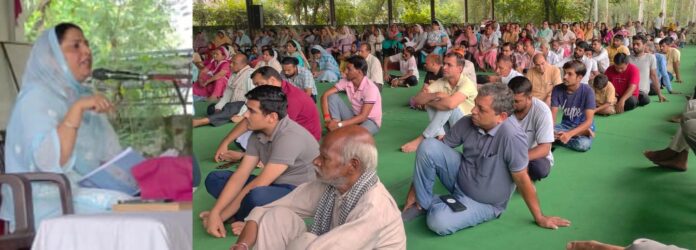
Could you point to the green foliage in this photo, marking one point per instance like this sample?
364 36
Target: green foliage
120 33
356 12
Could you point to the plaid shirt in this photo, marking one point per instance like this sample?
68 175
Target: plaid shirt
303 80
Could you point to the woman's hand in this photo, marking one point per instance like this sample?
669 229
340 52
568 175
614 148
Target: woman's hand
97 103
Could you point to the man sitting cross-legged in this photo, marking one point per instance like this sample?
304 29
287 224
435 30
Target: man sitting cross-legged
543 77
363 95
301 109
504 71
299 76
433 72
577 101
351 208
231 106
446 99
625 77
287 150
534 117
483 176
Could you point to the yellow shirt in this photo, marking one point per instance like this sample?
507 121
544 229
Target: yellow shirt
673 56
606 95
611 51
465 86
542 84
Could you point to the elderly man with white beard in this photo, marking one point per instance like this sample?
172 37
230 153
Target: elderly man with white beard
351 208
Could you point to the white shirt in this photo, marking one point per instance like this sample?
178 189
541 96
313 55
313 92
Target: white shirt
513 74
590 65
659 21
553 58
374 69
602 60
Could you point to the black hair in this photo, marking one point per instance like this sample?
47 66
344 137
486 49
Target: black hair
583 45
666 41
63 28
272 99
290 60
519 85
461 60
267 72
600 81
620 58
314 51
270 50
619 37
640 38
577 66
410 50
358 62
504 58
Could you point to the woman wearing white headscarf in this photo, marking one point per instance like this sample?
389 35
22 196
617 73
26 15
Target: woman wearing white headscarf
419 38
57 125
438 41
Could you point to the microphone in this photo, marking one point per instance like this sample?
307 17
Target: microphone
105 74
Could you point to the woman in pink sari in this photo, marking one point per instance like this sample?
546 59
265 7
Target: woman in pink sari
488 49
213 78
469 36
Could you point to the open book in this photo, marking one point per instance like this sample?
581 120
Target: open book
115 174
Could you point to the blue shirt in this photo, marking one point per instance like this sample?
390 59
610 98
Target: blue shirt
573 104
662 74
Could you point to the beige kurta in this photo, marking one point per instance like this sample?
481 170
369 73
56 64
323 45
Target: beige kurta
374 223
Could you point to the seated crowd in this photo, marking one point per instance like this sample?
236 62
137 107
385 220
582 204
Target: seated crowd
504 120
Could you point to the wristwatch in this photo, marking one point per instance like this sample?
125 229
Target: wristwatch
340 124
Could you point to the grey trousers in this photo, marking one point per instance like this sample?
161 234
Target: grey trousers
340 111
223 117
685 137
439 119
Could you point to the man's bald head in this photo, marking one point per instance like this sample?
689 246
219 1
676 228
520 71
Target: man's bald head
539 63
538 58
239 61
354 143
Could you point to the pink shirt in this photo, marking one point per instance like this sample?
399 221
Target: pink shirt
367 93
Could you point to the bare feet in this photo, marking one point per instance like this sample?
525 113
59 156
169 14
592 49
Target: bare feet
659 155
412 145
204 217
591 245
237 227
410 199
676 118
260 165
677 162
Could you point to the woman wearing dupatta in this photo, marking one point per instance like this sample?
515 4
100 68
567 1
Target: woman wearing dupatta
57 125
294 49
213 78
327 67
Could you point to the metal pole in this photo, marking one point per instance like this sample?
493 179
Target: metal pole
248 9
466 11
332 13
493 9
432 12
389 10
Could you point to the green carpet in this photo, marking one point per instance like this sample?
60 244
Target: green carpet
611 193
